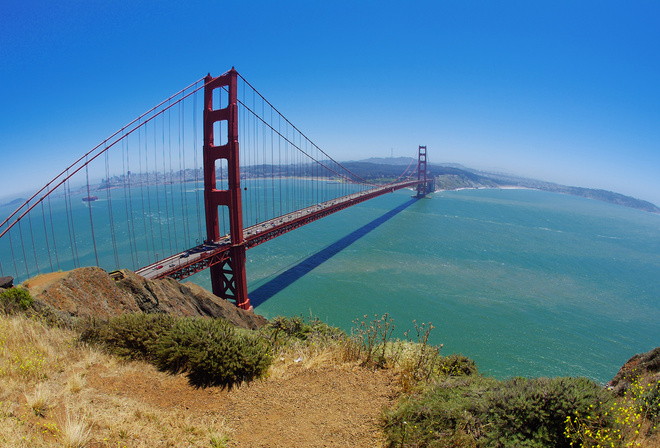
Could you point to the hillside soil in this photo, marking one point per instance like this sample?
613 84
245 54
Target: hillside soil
300 404
317 407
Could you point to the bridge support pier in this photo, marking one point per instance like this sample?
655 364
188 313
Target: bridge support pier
228 279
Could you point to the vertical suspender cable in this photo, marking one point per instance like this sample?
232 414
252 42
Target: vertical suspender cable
68 223
257 161
182 177
272 164
20 232
195 152
263 161
148 215
158 193
130 202
43 215
110 214
74 248
52 230
279 159
11 248
34 248
89 205
165 182
255 148
245 160
141 180
127 199
288 176
169 144
182 130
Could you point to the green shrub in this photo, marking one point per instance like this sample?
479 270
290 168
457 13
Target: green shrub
649 402
289 326
457 365
439 417
285 331
14 300
480 412
130 336
535 410
212 353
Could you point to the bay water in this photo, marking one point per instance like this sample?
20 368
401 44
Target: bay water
526 283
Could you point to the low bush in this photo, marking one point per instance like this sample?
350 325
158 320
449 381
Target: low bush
635 417
457 365
129 336
282 331
534 411
649 401
15 300
480 412
211 352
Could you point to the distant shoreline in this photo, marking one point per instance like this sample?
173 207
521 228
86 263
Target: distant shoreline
515 187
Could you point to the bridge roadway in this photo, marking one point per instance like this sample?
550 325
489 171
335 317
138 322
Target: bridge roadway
198 258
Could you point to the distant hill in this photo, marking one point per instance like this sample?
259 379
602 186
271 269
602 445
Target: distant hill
454 176
389 160
14 203
485 179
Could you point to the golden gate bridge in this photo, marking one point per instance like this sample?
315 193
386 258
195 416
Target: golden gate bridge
138 197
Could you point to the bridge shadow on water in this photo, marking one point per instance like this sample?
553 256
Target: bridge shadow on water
288 277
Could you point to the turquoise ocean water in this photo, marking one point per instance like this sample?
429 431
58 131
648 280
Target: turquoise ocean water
526 283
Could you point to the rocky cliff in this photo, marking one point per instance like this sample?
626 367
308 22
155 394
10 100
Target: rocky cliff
643 365
91 292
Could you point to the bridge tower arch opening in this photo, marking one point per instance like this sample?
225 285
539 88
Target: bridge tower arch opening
228 279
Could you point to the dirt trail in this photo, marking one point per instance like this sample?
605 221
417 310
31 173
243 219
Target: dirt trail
320 407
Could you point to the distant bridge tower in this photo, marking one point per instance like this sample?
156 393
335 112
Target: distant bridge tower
228 279
422 188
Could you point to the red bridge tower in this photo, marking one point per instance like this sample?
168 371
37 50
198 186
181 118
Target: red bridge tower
228 279
422 188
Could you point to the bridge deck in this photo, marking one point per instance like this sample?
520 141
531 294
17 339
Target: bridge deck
196 259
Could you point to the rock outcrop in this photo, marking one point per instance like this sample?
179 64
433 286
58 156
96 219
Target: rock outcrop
91 292
643 365
6 282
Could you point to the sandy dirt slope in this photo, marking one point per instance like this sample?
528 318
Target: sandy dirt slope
320 407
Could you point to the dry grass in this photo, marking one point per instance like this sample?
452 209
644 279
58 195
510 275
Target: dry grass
40 399
76 382
76 431
308 356
45 399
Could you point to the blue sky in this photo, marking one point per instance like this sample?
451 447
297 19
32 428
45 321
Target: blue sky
562 91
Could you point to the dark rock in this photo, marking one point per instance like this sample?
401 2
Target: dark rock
6 282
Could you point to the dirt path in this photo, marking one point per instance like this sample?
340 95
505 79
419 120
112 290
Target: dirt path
325 407
40 282
321 407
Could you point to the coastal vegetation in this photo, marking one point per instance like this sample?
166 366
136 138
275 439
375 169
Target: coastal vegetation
47 367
